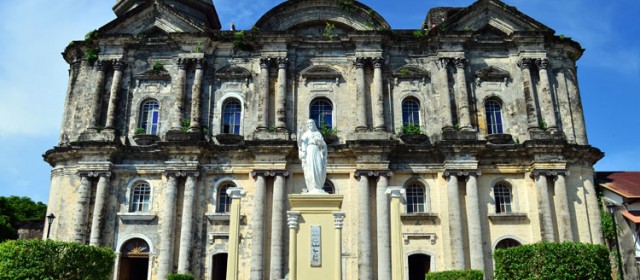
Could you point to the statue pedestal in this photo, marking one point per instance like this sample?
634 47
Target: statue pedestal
315 236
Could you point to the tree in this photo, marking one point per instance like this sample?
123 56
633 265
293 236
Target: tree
14 209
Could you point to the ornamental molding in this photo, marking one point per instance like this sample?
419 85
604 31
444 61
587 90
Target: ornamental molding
338 218
548 172
269 173
95 173
181 173
461 172
372 173
292 219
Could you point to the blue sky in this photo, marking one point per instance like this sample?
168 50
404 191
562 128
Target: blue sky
33 75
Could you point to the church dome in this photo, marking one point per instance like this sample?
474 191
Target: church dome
301 14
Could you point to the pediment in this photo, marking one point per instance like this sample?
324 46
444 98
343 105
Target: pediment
493 15
409 72
491 73
153 15
233 72
320 72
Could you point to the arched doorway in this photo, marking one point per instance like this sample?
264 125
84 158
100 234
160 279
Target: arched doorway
219 267
134 260
419 265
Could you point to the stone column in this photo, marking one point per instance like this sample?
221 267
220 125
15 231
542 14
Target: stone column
546 98
564 219
397 267
461 95
364 234
544 205
292 221
263 117
592 208
476 256
361 103
280 106
186 229
377 96
167 226
196 92
527 87
80 220
234 232
257 239
180 87
455 221
94 115
97 224
382 220
277 225
577 114
118 66
445 100
338 218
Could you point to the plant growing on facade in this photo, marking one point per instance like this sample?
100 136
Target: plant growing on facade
411 128
325 129
240 42
346 5
542 123
99 128
140 131
186 123
91 35
418 33
91 55
328 31
157 67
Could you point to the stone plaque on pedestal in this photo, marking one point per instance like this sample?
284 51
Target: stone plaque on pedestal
315 228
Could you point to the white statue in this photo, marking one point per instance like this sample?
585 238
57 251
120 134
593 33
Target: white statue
312 151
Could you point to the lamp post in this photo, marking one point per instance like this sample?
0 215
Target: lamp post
612 210
50 221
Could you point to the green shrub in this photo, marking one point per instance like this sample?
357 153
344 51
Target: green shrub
553 261
180 277
455 275
46 259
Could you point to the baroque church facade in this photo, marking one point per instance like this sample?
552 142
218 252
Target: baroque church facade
178 142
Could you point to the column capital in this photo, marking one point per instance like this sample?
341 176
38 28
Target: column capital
292 219
359 63
338 218
94 173
525 63
548 172
235 192
101 65
269 173
183 63
461 172
395 192
460 62
200 63
542 63
181 173
372 173
264 62
282 62
443 62
377 62
118 64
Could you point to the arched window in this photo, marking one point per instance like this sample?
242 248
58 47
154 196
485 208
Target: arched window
321 111
141 197
231 111
410 111
502 194
415 198
493 111
507 243
329 188
224 201
150 116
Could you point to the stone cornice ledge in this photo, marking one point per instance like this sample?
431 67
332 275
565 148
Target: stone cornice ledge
507 217
127 217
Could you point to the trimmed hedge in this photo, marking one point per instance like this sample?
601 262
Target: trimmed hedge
553 261
180 277
456 275
46 259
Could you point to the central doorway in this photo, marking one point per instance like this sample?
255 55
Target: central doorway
219 267
419 265
134 260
